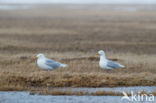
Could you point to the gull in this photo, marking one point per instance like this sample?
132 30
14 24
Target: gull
107 64
48 64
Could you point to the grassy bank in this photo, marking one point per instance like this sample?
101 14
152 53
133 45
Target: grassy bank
73 36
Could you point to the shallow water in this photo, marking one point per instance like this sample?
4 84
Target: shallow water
116 7
25 97
82 1
15 7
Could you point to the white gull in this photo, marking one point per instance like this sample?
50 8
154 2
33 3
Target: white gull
107 64
48 64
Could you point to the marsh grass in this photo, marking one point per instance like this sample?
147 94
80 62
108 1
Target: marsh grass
81 93
78 93
79 73
73 36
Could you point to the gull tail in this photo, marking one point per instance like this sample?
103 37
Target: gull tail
64 65
122 66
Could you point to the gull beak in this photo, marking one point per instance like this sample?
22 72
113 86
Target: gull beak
35 57
97 53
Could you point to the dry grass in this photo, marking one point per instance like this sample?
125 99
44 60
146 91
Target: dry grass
61 93
78 93
73 36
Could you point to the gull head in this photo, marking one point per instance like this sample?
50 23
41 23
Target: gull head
40 55
100 52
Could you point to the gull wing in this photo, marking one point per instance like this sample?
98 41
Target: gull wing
52 63
112 64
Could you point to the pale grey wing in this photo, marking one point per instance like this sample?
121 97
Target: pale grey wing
52 63
112 64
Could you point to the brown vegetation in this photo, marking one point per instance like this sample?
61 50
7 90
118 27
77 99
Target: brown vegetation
94 93
73 36
79 93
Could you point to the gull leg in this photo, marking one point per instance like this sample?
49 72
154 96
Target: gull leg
48 73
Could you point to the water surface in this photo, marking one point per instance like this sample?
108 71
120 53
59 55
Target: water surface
25 97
